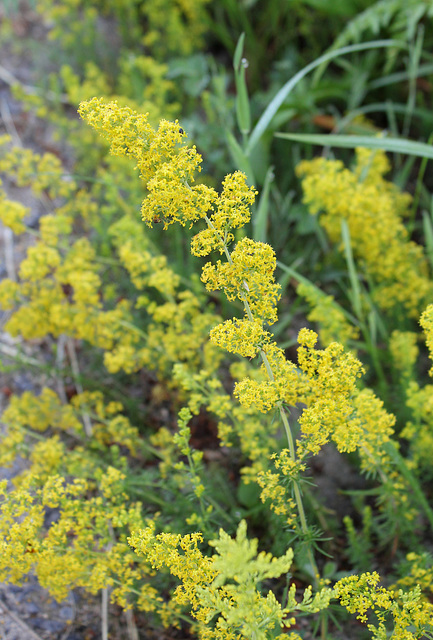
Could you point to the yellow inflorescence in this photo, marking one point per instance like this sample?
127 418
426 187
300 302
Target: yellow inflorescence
373 209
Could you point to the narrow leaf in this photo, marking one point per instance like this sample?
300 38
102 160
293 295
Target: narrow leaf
395 145
282 94
260 220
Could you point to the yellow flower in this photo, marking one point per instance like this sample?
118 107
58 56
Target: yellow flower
373 209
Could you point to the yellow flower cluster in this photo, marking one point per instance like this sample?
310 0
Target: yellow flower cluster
266 392
231 211
85 546
12 214
404 352
373 209
418 571
331 376
165 164
226 585
182 557
419 430
43 172
244 337
29 415
276 491
248 276
174 27
409 615
426 321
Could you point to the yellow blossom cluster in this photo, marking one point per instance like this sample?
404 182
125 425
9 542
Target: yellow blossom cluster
175 27
183 558
231 211
276 491
165 163
410 616
244 337
35 424
44 173
404 351
226 585
248 276
85 546
426 321
373 209
12 214
418 570
419 429
172 27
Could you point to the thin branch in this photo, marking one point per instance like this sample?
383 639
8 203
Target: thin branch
131 626
70 346
104 614
60 359
30 634
8 241
14 353
6 116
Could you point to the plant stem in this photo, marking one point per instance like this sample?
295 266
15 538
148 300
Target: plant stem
400 462
283 415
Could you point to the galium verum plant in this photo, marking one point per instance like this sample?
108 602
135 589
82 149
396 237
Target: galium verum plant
325 381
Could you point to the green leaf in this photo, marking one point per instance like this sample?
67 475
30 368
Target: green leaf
240 65
260 219
353 275
238 52
277 101
239 158
395 145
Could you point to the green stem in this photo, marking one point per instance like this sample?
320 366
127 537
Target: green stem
283 415
400 462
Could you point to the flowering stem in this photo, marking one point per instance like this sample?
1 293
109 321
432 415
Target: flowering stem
283 415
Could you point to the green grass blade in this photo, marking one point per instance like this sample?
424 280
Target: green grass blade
243 113
282 94
395 145
428 235
260 220
238 52
353 275
240 160
399 76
